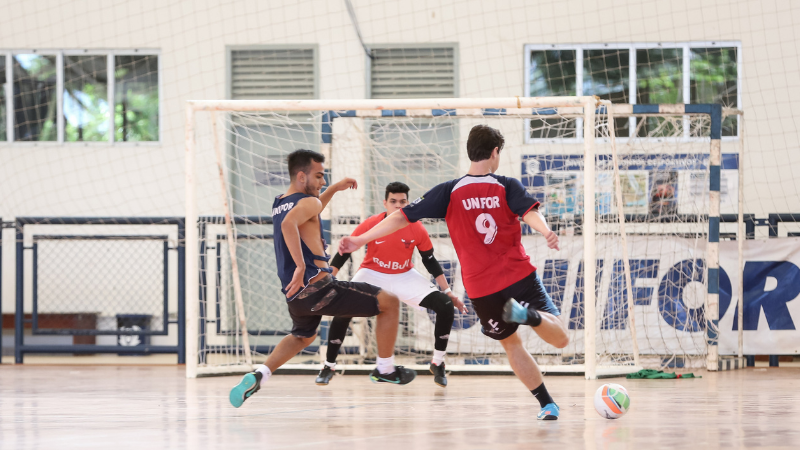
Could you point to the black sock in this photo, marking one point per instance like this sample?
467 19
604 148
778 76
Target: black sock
542 395
441 304
337 330
534 318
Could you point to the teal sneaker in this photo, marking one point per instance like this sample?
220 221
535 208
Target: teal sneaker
249 385
549 412
513 312
401 375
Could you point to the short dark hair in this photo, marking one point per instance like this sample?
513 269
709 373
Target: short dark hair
482 140
300 161
396 187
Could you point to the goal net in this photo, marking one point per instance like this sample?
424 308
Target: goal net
646 238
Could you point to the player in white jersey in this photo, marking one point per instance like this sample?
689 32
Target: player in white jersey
388 265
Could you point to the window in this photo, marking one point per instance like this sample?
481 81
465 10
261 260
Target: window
65 96
695 72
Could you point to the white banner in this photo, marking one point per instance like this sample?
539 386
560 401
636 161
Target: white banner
669 294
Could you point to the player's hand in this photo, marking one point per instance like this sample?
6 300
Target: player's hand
348 244
297 281
552 240
346 183
459 305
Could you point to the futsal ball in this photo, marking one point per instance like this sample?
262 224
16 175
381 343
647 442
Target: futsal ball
612 401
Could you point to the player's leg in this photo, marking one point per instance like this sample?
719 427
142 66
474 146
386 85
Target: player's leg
337 330
526 369
490 313
355 299
304 331
419 292
531 305
441 304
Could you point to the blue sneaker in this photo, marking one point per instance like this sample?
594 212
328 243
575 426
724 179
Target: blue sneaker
513 312
249 385
549 412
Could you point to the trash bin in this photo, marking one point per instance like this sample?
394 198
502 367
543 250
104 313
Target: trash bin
133 322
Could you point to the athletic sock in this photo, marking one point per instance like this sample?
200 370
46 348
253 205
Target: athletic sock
265 373
438 357
542 395
386 365
332 365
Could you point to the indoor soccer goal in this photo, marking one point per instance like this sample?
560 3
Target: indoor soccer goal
662 190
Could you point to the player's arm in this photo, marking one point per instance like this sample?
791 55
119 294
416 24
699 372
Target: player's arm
389 225
338 261
535 219
434 268
341 185
432 205
304 210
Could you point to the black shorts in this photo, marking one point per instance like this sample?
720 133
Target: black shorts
528 291
331 297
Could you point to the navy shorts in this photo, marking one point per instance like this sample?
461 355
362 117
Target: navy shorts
529 292
331 297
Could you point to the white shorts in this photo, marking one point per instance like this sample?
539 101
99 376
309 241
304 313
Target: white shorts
411 287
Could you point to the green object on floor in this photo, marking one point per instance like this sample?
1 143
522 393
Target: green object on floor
649 374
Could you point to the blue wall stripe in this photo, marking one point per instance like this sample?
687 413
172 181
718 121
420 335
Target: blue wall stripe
713 280
713 229
327 128
494 112
393 113
544 111
714 181
443 112
645 109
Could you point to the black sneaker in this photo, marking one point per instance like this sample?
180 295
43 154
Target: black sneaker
401 375
325 376
249 385
439 376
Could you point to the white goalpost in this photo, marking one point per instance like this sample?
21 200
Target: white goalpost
644 237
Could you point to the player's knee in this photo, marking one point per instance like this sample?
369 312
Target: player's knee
561 341
388 302
439 303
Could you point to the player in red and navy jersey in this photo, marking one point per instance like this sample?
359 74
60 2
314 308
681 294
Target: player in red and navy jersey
482 212
388 266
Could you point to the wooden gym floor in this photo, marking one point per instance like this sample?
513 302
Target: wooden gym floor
155 407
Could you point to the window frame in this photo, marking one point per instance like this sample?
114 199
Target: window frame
110 54
632 79
456 61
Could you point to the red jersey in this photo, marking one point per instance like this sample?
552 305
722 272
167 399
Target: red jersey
482 215
392 253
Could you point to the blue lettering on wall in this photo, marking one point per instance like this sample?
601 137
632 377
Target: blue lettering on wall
673 309
462 321
773 302
616 314
576 314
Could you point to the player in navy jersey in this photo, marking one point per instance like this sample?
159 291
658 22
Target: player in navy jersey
482 211
311 292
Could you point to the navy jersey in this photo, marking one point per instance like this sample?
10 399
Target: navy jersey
286 265
482 215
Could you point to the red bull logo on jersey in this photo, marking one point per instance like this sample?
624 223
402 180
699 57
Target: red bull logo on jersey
481 203
393 265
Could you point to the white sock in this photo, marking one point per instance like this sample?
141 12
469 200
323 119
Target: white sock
332 365
386 365
438 357
265 373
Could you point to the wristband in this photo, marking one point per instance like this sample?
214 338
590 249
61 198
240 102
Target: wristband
447 291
